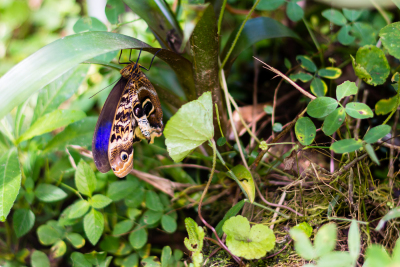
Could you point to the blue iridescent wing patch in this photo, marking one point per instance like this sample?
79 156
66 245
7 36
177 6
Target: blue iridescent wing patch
102 131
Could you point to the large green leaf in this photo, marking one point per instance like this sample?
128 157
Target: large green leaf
255 30
55 93
190 127
50 62
23 221
10 181
93 223
51 121
78 133
333 121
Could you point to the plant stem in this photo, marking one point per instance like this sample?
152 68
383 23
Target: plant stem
267 208
221 15
238 33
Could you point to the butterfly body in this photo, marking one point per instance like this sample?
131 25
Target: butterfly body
132 112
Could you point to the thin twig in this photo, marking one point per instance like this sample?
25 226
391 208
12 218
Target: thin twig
255 90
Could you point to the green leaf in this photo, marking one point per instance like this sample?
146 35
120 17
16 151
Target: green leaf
392 214
346 146
100 201
93 224
352 14
335 258
85 180
371 65
305 227
221 141
51 121
294 11
76 240
114 8
390 37
376 255
89 24
334 16
153 201
330 72
269 4
305 131
50 62
10 181
288 64
344 36
376 133
79 260
121 189
197 116
168 223
333 121
138 238
166 256
304 77
255 30
325 239
49 193
196 236
47 235
134 200
153 261
358 110
306 63
371 153
79 133
131 260
346 89
365 33
122 227
55 93
318 87
354 242
39 259
268 109
245 242
277 127
385 106
246 180
58 249
231 212
23 221
302 244
321 107
78 209
151 216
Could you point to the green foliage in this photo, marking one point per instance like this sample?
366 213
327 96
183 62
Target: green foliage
195 241
246 242
181 141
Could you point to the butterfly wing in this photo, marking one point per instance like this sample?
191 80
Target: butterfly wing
147 109
122 136
102 131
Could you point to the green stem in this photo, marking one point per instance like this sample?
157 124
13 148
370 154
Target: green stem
221 15
267 208
346 220
238 33
321 57
397 105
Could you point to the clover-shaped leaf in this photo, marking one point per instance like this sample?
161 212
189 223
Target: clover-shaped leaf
190 127
246 242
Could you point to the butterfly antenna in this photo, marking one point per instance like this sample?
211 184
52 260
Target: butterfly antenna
105 88
138 57
151 63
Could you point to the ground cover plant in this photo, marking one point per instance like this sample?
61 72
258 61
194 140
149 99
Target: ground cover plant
280 145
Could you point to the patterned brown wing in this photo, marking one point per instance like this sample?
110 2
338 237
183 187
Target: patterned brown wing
122 137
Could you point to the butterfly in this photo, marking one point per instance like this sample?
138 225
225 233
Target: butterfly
132 112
